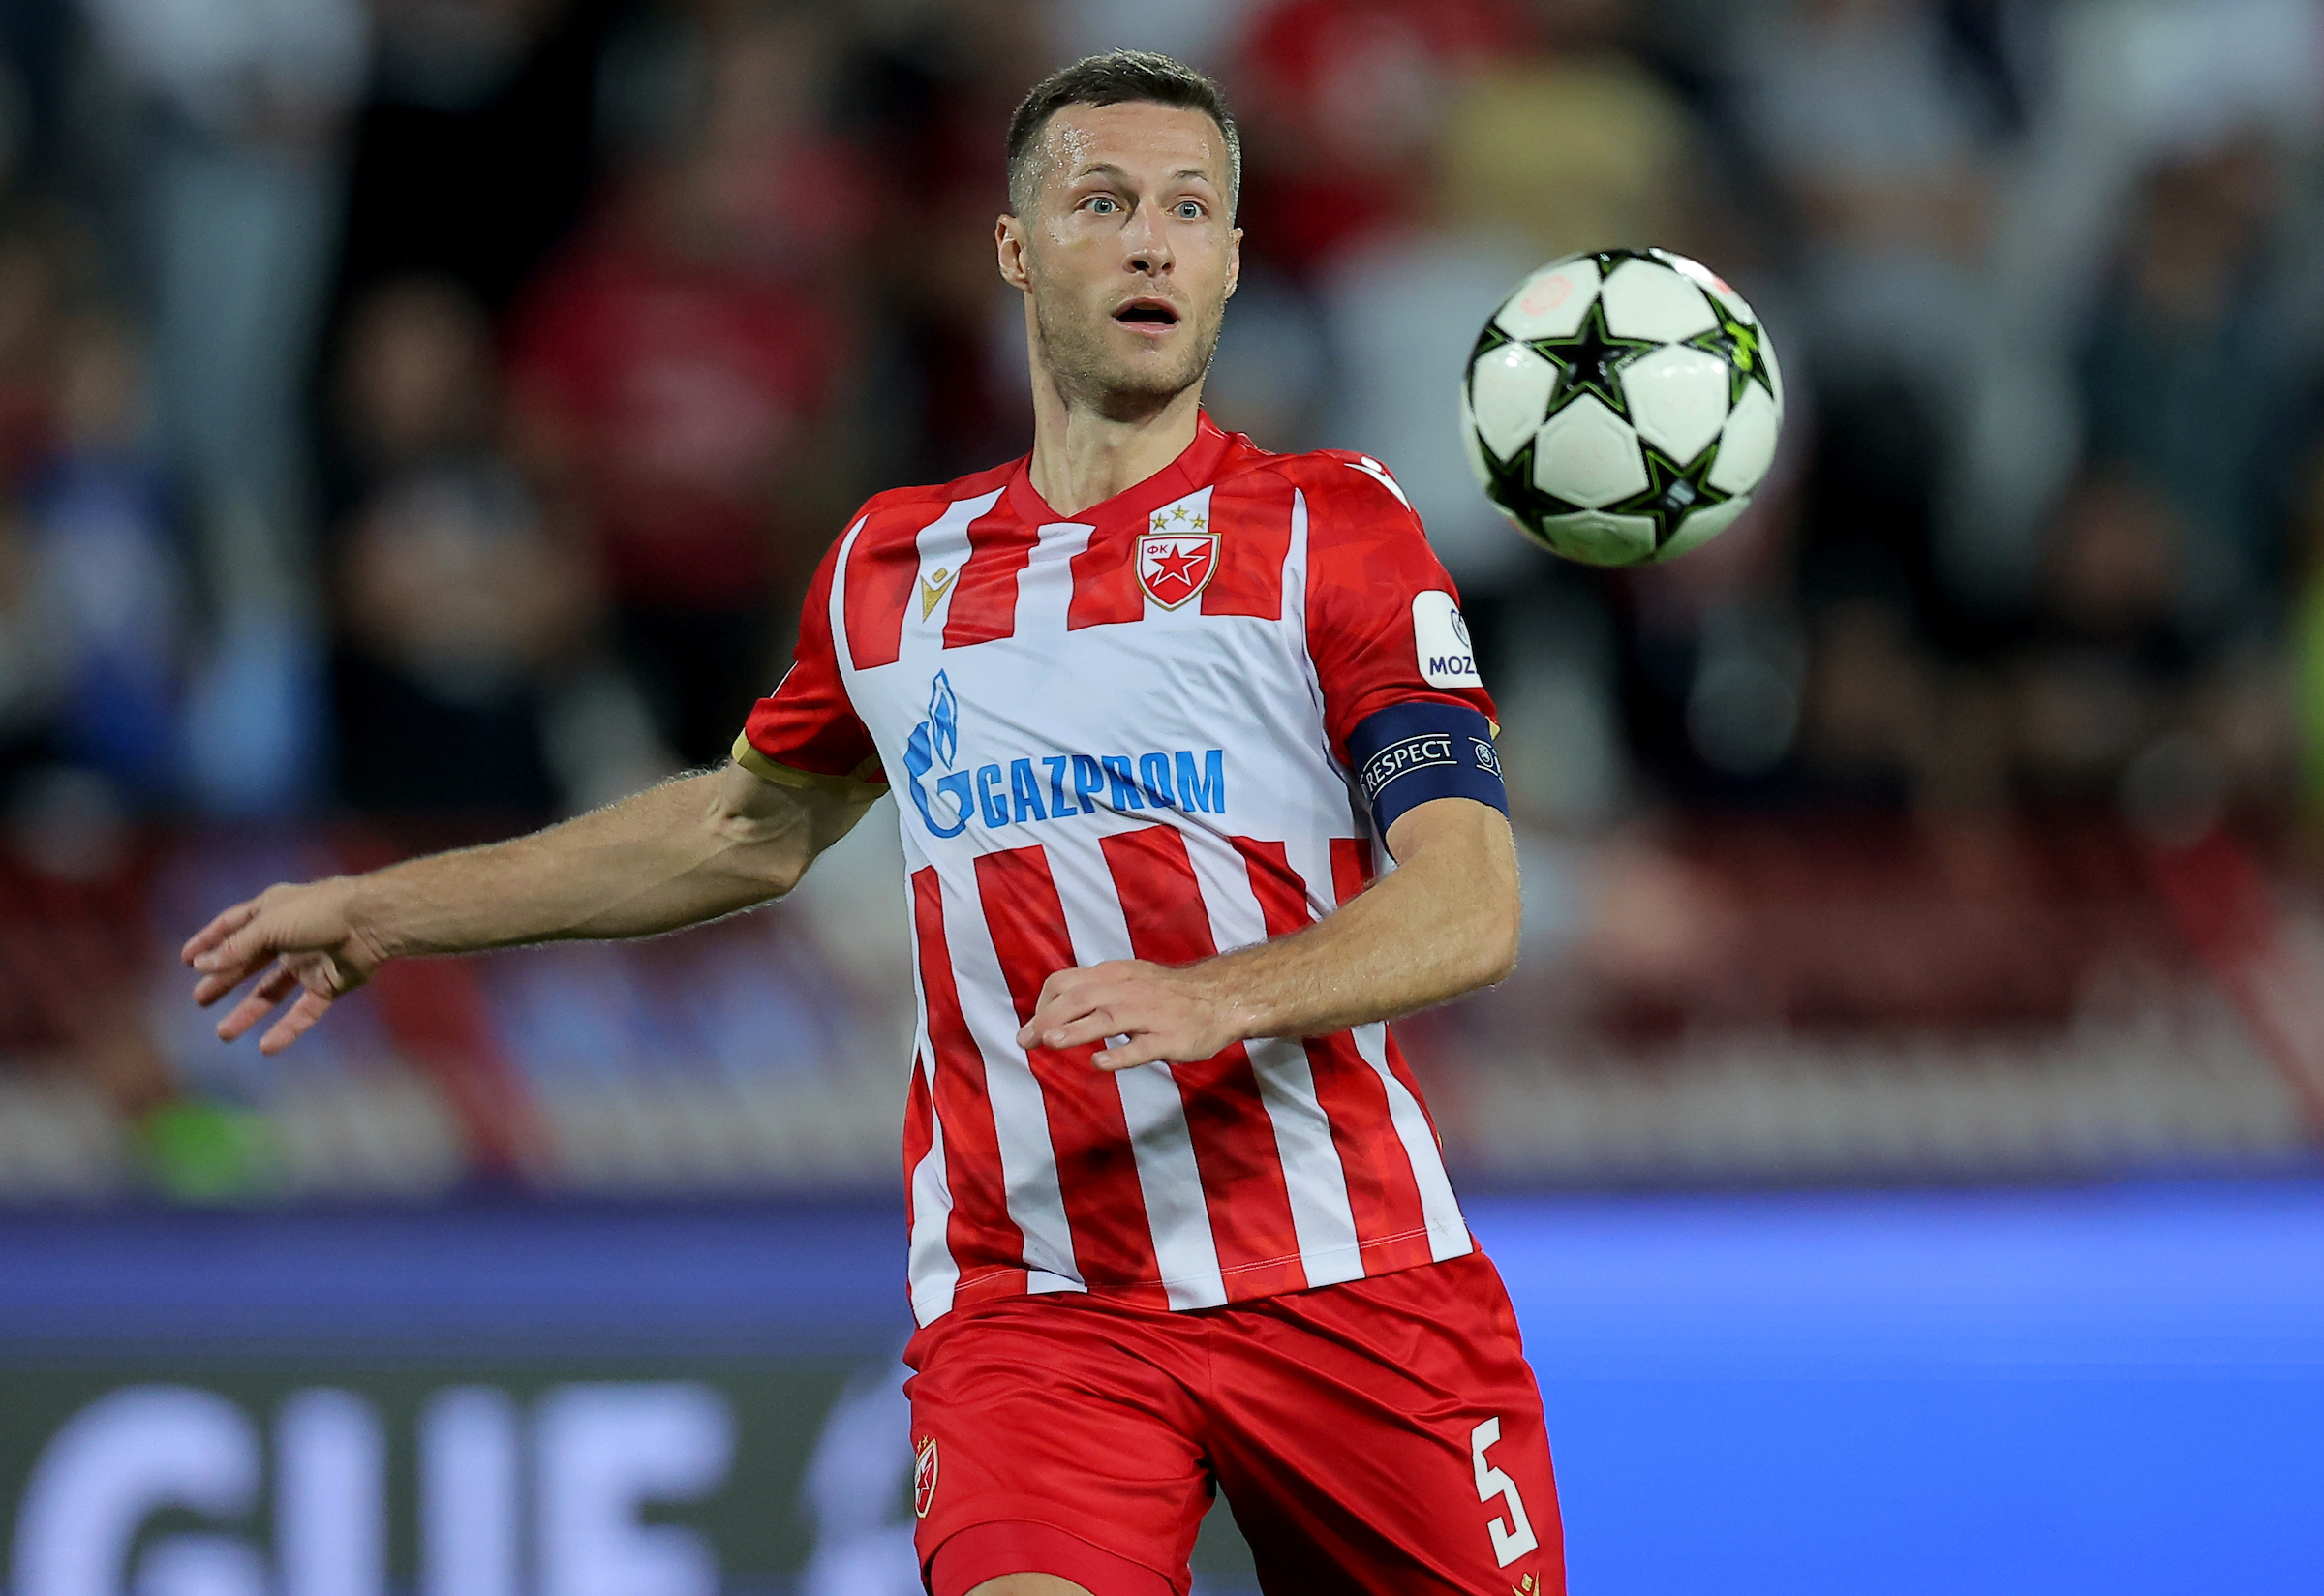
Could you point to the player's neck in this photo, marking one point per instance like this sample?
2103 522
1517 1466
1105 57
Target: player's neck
1083 458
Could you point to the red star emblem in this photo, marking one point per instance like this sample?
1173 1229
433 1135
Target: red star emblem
1173 567
1176 566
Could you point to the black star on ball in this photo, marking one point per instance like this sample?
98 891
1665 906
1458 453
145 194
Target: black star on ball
1592 360
1673 491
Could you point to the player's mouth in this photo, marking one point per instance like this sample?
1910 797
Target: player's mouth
1150 318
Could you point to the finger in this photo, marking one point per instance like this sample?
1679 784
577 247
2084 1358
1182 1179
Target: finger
1133 1051
217 983
279 984
222 926
1060 1008
295 1022
1070 993
256 938
1094 1026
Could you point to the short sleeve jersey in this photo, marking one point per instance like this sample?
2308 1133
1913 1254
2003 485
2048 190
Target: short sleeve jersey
1127 734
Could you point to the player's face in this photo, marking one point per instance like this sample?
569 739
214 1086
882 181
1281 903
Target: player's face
1129 255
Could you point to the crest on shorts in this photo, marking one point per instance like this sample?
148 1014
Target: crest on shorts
1178 554
924 1478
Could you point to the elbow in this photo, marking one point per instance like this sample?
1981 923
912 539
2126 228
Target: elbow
773 877
1496 943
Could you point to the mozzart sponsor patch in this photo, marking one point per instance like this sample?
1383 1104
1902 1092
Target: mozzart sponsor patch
1427 751
1440 638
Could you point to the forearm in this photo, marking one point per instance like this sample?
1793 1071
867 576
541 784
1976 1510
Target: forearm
1442 924
660 860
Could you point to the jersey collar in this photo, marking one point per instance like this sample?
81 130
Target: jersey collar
1197 464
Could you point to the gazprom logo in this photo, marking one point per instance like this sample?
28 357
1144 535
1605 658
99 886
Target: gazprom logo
1041 788
936 741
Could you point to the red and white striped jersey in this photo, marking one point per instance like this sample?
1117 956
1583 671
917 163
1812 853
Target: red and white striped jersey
1125 734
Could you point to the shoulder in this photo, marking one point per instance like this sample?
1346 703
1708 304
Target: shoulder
901 512
1349 497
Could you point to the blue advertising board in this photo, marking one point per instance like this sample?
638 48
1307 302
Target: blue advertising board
2111 1389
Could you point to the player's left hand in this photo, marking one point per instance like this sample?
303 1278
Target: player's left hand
1161 1014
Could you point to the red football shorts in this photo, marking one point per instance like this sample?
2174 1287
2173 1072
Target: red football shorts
1382 1435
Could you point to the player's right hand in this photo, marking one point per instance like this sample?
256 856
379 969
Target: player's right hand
305 935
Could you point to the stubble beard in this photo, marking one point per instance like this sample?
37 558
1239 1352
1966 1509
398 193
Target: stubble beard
1088 375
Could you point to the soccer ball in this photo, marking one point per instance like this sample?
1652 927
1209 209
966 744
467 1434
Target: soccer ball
1621 405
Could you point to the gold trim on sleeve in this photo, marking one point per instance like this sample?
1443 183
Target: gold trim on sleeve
852 787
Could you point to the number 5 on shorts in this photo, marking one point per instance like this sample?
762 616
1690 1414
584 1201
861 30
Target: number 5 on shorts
1512 1538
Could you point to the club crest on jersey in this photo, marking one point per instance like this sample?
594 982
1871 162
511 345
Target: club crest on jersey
1177 555
924 1478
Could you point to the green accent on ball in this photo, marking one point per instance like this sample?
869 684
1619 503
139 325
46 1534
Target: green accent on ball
1742 346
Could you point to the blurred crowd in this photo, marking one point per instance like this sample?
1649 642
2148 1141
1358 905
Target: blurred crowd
433 408
435 405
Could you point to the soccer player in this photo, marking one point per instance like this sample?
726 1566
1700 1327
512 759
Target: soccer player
1149 701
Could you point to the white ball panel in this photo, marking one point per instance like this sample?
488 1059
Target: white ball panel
1747 448
1598 539
1704 525
1509 390
1677 399
1551 302
1588 456
1647 301
1712 284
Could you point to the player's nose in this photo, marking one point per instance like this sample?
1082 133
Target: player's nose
1148 242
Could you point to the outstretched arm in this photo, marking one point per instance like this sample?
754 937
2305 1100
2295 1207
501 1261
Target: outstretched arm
689 851
1443 923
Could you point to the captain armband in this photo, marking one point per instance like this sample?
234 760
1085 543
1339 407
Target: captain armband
1408 753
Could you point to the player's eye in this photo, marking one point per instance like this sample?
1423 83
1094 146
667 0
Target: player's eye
1102 205
1189 210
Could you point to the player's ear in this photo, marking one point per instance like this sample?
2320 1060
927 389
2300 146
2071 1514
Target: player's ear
1008 239
1233 260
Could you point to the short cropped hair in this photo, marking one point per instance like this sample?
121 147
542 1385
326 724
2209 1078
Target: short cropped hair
1114 79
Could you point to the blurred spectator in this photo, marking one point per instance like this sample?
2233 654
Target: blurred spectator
460 608
1343 103
1574 146
675 375
2098 679
1870 718
2191 385
945 382
473 155
2119 87
97 639
1883 148
415 381
2115 699
246 105
114 594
